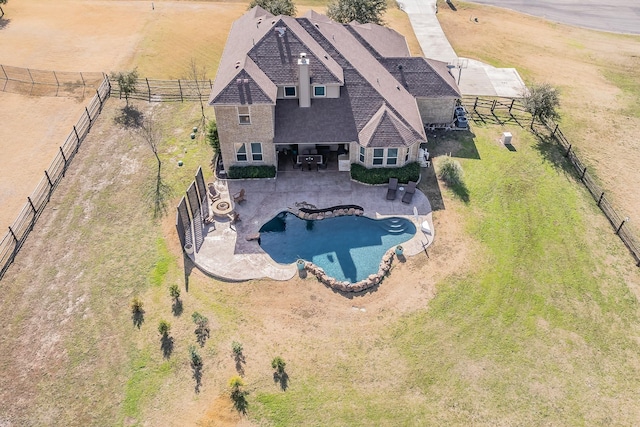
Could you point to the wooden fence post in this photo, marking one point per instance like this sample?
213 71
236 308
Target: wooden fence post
148 88
15 238
82 78
600 199
30 76
475 103
553 134
511 106
584 172
50 185
493 106
99 99
5 73
56 77
620 226
568 151
88 115
180 87
64 169
35 212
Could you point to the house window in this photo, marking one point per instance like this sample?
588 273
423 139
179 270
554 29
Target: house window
392 156
289 91
361 154
256 151
319 91
241 152
378 156
243 116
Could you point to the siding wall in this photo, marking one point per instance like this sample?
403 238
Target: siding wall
436 110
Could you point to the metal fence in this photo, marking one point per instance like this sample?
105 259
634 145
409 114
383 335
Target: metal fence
516 110
166 90
32 82
13 240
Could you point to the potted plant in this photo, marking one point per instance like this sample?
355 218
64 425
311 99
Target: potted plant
399 250
300 264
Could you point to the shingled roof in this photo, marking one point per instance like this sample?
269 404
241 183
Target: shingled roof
378 78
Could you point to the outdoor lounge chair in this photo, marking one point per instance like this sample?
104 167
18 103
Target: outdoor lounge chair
213 193
408 193
392 188
239 196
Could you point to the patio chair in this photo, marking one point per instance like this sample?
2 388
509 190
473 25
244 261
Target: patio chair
239 196
408 192
234 217
213 193
392 189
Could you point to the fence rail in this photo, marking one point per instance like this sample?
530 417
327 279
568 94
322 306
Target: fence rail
13 240
34 82
515 106
166 90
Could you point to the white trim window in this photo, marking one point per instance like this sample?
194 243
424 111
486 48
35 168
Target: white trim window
256 151
241 152
290 92
244 117
319 91
378 156
362 154
392 156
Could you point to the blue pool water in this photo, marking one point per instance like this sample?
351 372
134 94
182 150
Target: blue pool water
348 247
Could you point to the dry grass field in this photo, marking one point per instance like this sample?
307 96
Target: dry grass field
524 312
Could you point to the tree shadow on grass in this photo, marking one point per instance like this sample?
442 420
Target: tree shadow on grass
197 375
240 362
282 379
461 191
239 398
138 318
552 152
129 117
176 307
166 345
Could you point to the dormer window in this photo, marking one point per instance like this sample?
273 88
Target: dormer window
319 91
289 91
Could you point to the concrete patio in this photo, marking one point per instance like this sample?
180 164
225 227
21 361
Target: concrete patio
227 254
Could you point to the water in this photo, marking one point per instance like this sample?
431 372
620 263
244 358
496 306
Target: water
348 248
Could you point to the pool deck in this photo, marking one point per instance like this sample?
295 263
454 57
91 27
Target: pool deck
228 255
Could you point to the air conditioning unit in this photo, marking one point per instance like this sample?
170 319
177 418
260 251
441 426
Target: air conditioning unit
506 138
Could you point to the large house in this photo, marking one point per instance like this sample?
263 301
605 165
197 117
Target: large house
290 86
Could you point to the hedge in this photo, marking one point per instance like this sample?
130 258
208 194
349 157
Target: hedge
239 172
410 172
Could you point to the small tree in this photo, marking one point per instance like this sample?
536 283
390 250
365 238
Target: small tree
236 348
164 327
198 75
126 81
363 11
278 364
202 327
136 305
150 132
542 100
275 7
213 137
238 395
174 292
194 357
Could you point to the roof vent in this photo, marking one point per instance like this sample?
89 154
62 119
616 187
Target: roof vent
280 31
399 66
237 64
397 87
238 82
246 81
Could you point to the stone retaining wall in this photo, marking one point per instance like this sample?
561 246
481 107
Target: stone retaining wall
343 286
331 213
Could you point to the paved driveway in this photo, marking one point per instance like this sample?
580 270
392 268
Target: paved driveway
620 16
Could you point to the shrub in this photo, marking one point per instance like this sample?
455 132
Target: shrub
236 347
196 359
174 291
164 327
212 136
237 394
240 172
451 172
136 305
202 327
410 172
278 364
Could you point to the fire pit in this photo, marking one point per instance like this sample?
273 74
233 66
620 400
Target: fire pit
222 207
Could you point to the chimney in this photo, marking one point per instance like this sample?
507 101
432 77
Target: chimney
304 95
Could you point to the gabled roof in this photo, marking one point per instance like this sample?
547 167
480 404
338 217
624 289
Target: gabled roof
385 129
377 76
423 77
385 41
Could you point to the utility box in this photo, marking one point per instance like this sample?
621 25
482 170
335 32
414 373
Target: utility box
506 138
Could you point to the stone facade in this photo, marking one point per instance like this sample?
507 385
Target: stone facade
354 155
436 110
260 129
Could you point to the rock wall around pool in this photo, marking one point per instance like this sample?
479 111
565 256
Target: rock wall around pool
343 286
336 211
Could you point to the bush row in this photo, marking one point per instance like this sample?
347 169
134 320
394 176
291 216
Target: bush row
240 172
410 172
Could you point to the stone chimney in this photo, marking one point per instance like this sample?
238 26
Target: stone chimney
304 83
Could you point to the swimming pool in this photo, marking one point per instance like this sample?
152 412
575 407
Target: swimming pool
348 247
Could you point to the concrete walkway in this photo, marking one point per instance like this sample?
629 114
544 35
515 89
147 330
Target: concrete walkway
474 77
228 255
